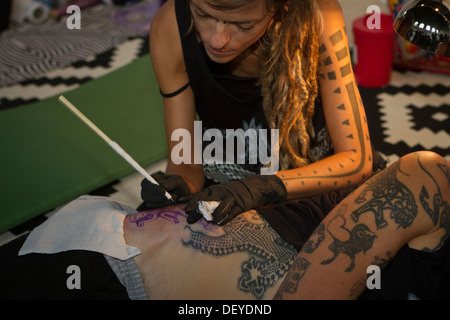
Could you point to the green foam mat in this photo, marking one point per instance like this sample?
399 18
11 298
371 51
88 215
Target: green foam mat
49 156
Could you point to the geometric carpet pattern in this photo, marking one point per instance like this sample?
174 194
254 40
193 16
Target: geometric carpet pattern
39 61
411 114
64 79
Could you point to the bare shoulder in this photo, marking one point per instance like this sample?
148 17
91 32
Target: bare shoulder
165 49
332 16
164 20
330 7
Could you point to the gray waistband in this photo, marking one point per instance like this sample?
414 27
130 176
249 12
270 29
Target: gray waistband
128 274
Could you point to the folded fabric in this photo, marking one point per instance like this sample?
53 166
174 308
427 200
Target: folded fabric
89 223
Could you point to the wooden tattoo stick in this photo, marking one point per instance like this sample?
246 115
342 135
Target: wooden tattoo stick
111 143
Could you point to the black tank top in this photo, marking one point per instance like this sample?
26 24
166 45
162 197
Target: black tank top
225 101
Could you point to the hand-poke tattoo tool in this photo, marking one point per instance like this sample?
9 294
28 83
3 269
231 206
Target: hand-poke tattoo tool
111 143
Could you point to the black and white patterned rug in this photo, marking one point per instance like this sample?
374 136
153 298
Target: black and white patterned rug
411 114
41 61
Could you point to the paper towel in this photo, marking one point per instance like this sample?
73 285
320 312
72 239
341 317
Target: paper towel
206 208
88 223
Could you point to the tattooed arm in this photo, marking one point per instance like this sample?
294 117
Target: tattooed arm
406 204
344 113
245 259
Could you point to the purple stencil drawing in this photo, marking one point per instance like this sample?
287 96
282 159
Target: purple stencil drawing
174 215
170 214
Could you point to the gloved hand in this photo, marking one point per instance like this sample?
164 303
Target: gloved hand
236 197
154 195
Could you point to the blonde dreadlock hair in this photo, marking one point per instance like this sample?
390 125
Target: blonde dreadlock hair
290 53
289 84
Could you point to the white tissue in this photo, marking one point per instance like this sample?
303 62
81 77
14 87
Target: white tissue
88 223
206 208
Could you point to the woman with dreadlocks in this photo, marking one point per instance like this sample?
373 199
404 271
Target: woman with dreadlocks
259 64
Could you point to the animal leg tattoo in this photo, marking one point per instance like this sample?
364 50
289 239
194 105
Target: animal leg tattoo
359 238
388 195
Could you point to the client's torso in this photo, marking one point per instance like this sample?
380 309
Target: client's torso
245 259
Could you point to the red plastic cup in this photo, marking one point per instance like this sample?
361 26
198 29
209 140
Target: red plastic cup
374 50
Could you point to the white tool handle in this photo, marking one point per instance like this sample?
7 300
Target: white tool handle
111 143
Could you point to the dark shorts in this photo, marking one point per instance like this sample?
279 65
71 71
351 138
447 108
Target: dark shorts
415 275
45 276
295 221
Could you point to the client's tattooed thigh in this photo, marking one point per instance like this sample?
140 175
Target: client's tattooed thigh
436 205
384 193
348 240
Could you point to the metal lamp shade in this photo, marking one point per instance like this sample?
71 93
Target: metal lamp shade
426 24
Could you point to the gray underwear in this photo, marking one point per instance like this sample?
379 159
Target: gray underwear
128 274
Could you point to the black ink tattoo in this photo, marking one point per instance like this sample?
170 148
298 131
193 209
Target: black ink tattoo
269 256
315 239
383 262
359 128
388 195
445 170
336 38
291 283
360 238
342 54
433 213
332 75
439 211
346 70
356 288
361 284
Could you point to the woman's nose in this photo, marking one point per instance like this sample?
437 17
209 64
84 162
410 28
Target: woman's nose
220 36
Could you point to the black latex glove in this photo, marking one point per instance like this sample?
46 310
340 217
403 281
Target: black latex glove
236 197
154 195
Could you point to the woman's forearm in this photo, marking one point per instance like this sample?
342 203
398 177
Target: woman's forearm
340 171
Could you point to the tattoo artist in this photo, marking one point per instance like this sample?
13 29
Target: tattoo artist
273 64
